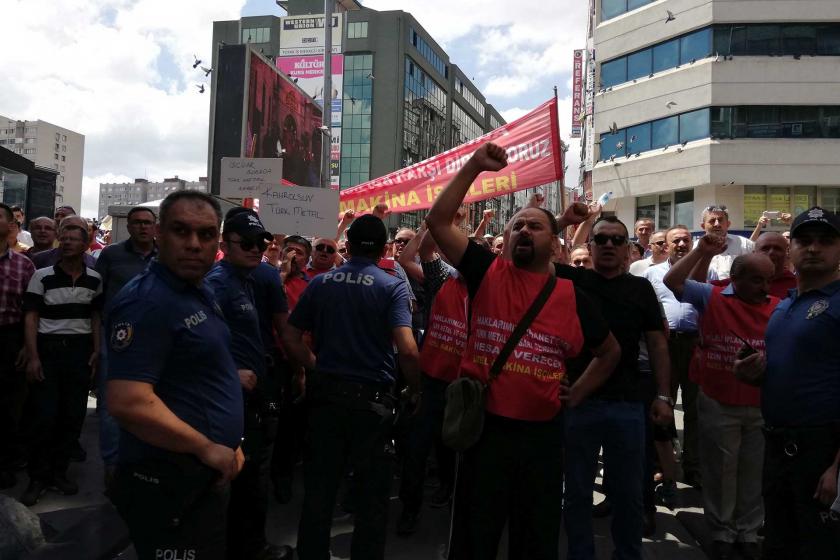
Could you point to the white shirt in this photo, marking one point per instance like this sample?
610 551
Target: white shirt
25 238
639 268
735 247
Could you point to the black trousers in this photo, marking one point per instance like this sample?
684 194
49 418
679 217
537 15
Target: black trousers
797 526
12 396
56 406
249 491
172 508
339 434
288 445
513 474
425 431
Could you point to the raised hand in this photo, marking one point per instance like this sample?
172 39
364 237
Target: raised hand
490 157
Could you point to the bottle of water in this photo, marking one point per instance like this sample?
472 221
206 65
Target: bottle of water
604 198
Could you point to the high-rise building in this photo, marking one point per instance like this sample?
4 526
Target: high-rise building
143 190
702 103
403 99
50 146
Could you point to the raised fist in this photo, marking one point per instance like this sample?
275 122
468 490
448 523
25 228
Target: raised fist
489 214
490 157
712 244
381 210
348 216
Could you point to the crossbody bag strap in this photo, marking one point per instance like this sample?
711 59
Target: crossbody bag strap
520 329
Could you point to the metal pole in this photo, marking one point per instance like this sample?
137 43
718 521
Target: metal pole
561 182
327 96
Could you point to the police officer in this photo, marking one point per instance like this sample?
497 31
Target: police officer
174 389
800 398
243 241
357 313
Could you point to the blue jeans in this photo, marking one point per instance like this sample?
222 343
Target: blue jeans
618 427
109 430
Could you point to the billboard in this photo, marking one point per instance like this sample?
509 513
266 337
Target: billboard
304 35
281 120
577 92
308 71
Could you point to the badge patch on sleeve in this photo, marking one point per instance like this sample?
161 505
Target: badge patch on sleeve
121 336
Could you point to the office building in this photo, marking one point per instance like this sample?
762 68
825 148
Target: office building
695 103
403 99
143 190
49 146
24 184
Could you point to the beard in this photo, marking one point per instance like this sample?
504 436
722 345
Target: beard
523 253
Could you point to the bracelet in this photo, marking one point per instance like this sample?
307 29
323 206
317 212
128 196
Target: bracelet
667 399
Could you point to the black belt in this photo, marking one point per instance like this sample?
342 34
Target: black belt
792 437
332 388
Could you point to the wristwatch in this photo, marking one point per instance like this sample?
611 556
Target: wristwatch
668 400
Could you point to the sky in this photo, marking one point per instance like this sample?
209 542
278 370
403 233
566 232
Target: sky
120 71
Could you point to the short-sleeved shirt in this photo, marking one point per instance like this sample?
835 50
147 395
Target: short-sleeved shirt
477 260
52 256
631 308
64 305
270 300
682 317
233 289
735 247
351 312
119 263
171 334
779 286
802 380
15 272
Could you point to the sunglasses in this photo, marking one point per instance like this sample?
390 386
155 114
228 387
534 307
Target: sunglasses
402 241
324 248
248 244
715 208
601 239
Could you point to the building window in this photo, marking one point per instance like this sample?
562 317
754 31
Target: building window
424 115
29 151
63 158
64 138
356 120
638 139
469 96
56 156
694 125
256 35
788 39
357 30
464 127
57 136
666 55
425 49
613 8
646 207
664 132
64 148
494 122
665 204
684 207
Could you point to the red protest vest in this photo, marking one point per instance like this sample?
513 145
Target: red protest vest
528 388
711 365
294 289
446 332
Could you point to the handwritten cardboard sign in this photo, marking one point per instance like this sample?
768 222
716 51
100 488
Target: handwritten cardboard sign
245 177
307 211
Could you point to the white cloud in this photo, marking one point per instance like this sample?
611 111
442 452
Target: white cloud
119 72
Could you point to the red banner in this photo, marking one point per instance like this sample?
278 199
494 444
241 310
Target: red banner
534 158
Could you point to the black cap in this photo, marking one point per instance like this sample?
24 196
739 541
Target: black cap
816 215
300 240
247 224
367 231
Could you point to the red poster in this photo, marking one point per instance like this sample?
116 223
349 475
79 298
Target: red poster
577 92
533 147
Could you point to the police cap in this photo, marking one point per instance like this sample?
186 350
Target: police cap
816 215
368 231
246 223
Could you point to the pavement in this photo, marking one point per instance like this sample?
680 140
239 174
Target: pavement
680 533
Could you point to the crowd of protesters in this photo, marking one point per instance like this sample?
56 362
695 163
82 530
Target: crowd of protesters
222 354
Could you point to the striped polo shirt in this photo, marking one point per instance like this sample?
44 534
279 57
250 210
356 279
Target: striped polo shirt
63 306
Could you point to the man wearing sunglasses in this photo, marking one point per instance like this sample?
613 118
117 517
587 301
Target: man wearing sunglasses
658 254
716 222
244 239
613 417
323 256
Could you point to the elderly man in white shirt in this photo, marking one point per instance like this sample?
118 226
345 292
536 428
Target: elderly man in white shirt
716 222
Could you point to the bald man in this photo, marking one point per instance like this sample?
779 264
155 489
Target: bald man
776 247
324 251
730 423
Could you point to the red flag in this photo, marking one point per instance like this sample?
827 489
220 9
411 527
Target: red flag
534 158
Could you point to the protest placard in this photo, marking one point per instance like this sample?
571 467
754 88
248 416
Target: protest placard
246 177
307 211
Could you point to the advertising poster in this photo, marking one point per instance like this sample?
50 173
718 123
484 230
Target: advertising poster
304 35
309 73
282 121
533 147
577 92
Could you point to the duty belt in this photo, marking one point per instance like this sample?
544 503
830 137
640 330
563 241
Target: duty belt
791 437
356 395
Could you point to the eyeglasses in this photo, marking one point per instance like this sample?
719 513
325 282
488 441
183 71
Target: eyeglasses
402 241
715 208
601 239
324 248
248 244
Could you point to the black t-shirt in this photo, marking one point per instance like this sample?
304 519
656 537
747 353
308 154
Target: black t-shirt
477 260
631 308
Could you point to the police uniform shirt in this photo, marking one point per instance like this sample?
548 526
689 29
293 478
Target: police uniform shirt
234 292
802 380
270 300
171 334
351 312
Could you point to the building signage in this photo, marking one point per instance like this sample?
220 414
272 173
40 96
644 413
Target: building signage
304 35
577 92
